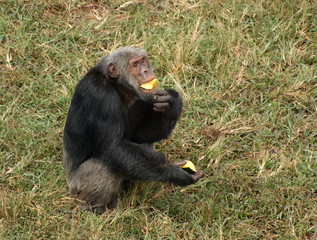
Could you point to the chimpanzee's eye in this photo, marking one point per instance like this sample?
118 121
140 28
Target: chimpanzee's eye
135 64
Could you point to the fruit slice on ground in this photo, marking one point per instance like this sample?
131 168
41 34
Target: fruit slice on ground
149 85
189 165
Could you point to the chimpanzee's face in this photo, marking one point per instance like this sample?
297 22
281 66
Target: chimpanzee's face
141 70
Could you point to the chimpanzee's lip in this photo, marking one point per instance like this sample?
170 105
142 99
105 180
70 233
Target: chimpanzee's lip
148 81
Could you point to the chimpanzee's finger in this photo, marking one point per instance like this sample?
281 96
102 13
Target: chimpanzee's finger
165 98
160 92
198 175
160 107
178 164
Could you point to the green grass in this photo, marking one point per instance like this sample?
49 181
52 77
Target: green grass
246 69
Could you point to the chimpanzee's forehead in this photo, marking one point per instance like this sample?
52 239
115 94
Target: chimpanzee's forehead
130 52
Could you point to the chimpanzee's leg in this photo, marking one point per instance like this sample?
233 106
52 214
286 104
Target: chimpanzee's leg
94 185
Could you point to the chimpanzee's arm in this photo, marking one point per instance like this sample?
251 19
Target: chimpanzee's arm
158 125
132 160
141 162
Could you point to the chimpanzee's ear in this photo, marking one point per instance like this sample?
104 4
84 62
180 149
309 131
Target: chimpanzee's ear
112 70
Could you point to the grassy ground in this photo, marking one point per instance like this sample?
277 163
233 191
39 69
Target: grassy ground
247 71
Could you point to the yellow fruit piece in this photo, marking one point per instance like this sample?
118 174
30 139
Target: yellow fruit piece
189 165
149 85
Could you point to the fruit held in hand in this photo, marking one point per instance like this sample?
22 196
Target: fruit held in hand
189 167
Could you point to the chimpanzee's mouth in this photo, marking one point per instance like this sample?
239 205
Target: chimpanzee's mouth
149 87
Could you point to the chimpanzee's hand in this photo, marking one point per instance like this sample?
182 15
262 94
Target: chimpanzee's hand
198 175
162 100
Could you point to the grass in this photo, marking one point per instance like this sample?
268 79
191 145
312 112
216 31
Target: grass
247 71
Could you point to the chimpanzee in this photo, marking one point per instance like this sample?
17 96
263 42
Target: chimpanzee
110 127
